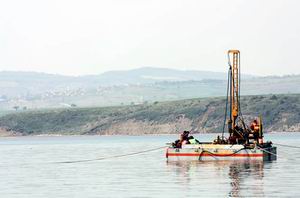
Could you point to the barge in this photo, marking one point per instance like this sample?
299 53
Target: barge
243 142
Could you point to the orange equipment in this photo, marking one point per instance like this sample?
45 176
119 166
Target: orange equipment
239 132
234 64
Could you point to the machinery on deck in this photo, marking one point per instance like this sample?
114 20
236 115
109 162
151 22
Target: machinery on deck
244 142
239 132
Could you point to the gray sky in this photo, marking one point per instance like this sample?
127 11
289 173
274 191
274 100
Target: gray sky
77 37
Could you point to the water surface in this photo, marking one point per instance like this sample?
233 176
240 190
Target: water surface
30 167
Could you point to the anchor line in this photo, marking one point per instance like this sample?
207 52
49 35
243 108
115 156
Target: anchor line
111 157
290 146
267 151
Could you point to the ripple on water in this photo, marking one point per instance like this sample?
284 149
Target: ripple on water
28 169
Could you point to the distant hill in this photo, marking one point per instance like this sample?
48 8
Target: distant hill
30 90
31 80
24 83
29 83
201 115
150 75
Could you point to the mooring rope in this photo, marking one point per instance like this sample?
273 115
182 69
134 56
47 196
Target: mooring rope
159 148
216 155
111 157
275 154
285 145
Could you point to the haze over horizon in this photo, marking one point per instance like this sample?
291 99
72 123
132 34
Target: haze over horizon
91 37
135 69
125 70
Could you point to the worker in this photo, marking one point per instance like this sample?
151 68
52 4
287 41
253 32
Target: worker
185 135
183 139
255 131
254 126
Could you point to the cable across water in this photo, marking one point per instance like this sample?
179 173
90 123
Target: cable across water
217 155
111 157
260 148
285 145
159 148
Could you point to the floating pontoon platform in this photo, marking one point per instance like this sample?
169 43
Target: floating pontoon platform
211 152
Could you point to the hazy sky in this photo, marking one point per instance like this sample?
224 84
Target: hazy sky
77 37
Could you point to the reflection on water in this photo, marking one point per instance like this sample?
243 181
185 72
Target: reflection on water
27 170
241 171
244 178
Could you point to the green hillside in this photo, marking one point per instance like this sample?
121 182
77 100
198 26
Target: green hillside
280 113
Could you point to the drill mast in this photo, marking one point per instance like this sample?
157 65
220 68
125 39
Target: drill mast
234 67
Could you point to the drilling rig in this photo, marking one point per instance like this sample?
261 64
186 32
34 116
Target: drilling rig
244 141
239 132
234 77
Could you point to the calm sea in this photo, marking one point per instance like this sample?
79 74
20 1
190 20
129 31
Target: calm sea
30 167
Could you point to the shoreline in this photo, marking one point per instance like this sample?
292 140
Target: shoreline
119 135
